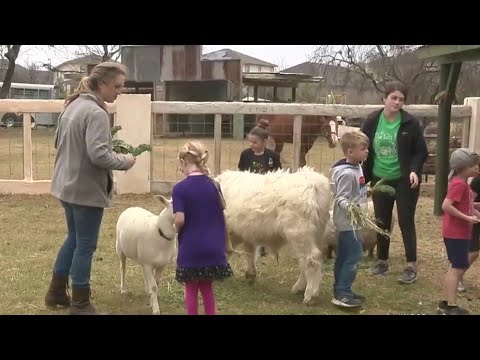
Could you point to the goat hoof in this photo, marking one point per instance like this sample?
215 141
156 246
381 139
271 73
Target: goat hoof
297 289
251 277
308 301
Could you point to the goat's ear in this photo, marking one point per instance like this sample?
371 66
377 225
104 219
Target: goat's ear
162 199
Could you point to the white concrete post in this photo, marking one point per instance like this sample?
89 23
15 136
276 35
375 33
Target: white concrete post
134 116
474 128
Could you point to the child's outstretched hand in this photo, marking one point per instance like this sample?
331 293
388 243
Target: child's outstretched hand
473 219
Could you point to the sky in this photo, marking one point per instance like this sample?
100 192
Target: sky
281 55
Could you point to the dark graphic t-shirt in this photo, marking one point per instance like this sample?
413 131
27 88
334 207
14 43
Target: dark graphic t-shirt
260 164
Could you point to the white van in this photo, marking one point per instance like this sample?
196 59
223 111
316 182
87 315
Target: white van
30 91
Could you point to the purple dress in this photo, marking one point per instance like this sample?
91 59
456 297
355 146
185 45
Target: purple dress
201 240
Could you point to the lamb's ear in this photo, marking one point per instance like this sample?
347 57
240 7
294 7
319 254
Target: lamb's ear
162 199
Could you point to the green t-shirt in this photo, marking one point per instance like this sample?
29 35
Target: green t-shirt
385 160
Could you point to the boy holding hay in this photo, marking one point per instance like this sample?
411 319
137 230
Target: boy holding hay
350 202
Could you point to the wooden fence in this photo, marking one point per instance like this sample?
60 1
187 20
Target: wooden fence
135 113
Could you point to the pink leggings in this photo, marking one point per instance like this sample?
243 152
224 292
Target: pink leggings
191 297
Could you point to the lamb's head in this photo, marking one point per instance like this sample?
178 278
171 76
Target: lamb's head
166 219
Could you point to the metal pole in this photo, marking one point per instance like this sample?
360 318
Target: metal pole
448 80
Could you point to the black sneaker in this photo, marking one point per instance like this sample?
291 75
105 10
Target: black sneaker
442 306
346 301
380 269
409 276
456 310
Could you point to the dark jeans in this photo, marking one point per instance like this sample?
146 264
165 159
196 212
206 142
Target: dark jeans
348 257
75 255
406 199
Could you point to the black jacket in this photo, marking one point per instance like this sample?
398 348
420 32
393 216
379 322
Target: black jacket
411 145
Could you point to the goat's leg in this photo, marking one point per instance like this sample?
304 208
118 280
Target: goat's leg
152 287
158 274
313 274
123 263
301 283
251 272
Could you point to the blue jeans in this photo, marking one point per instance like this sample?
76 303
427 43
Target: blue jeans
349 255
75 255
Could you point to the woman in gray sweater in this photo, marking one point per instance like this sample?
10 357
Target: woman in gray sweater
83 181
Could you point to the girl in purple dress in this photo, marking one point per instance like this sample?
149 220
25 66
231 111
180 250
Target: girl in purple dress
198 206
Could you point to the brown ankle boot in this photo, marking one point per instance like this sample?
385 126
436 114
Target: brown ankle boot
81 302
57 292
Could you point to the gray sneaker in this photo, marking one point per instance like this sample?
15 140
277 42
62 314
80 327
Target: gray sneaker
456 310
347 301
380 269
409 276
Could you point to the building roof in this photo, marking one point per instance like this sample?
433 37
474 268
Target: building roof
229 54
331 73
83 60
447 54
280 79
24 75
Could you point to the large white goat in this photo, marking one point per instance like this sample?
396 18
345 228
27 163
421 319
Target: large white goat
150 240
275 209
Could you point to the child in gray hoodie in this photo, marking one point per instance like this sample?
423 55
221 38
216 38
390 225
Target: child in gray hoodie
350 188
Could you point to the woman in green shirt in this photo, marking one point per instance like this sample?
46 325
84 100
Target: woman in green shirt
397 154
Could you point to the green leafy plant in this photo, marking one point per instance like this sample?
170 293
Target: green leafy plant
121 147
386 189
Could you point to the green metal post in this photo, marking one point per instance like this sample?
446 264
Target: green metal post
448 80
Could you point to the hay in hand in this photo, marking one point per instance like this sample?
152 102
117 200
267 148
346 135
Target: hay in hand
361 218
386 189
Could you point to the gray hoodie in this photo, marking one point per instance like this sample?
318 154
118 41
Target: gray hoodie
350 187
85 159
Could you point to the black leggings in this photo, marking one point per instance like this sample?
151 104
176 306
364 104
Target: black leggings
406 199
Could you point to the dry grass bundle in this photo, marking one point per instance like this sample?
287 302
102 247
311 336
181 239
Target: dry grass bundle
361 218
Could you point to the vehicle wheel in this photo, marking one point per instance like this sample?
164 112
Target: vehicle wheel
9 119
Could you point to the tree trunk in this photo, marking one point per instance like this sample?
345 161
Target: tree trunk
11 55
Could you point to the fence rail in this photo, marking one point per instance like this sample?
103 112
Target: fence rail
132 114
181 107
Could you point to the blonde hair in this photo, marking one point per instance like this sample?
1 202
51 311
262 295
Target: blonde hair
194 152
352 139
102 73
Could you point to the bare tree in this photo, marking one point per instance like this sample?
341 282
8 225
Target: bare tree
374 65
106 52
33 72
281 64
9 52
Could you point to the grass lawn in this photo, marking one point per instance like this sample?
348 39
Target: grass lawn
33 229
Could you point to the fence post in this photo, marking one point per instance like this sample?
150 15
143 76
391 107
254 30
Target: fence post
217 134
134 116
297 141
27 148
474 128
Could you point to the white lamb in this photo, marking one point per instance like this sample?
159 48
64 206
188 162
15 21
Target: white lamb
276 209
149 240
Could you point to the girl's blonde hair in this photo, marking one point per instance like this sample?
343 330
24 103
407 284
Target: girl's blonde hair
194 152
102 73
